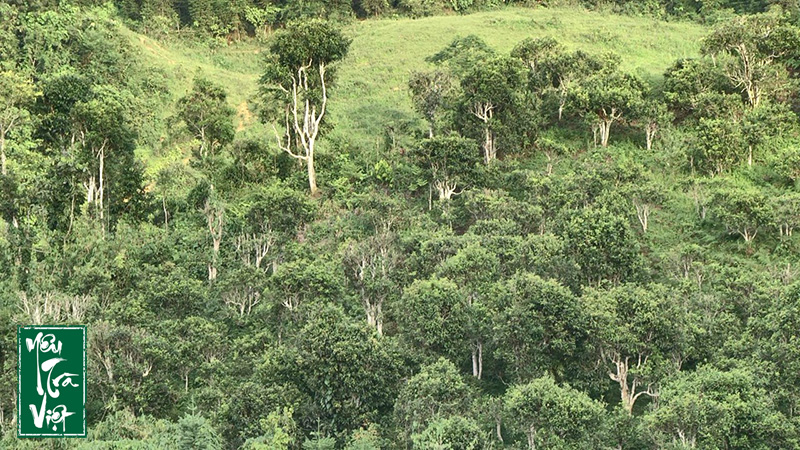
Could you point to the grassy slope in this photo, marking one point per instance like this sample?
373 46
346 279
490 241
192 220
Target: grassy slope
236 67
372 90
371 93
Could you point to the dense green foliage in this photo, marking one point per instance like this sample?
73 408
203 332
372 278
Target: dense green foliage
540 248
256 16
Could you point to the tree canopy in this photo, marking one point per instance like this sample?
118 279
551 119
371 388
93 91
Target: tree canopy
283 235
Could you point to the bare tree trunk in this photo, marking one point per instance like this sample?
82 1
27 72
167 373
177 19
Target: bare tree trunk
650 133
605 132
215 220
367 264
642 213
475 361
531 434
488 146
606 118
306 121
102 173
446 189
166 215
480 360
562 101
312 173
379 318
212 274
484 112
624 391
374 313
748 234
753 94
628 390
369 309
2 151
549 163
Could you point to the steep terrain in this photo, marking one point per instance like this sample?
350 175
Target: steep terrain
371 96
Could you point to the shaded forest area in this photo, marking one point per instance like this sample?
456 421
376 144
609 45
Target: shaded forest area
557 253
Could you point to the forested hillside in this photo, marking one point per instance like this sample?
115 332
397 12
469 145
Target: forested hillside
412 224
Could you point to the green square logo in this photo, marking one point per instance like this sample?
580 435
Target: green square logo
51 386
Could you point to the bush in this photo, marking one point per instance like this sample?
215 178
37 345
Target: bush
422 8
461 5
374 7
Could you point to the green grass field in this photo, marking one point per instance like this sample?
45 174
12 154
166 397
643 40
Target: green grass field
371 94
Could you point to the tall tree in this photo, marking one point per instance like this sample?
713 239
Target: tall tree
490 94
717 147
463 54
346 375
370 265
565 70
602 244
473 269
698 88
437 391
449 161
16 96
555 416
429 91
786 209
756 45
296 83
651 114
759 124
265 220
610 96
206 112
105 141
533 52
538 326
453 432
435 318
712 408
638 334
741 208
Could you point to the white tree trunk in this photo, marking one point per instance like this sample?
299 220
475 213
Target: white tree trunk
446 189
489 150
102 156
562 101
477 360
642 213
215 221
605 132
2 151
531 434
306 121
629 391
485 111
312 173
650 133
